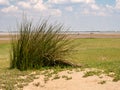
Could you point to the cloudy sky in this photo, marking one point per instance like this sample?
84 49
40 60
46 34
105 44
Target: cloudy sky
80 15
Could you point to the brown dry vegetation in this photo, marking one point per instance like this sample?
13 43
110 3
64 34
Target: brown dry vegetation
4 41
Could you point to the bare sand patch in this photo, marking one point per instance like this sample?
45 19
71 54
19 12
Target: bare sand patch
77 82
89 35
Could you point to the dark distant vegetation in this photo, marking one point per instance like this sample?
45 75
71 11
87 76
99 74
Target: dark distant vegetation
39 45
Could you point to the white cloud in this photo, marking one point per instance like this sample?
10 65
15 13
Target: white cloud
69 8
83 1
109 7
55 12
11 8
117 6
85 12
49 7
95 13
72 1
89 7
90 1
35 1
94 7
24 4
87 3
58 1
46 8
40 6
101 14
76 1
4 2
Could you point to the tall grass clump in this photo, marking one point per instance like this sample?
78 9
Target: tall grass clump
40 45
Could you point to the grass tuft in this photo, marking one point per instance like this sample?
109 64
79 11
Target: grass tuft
39 46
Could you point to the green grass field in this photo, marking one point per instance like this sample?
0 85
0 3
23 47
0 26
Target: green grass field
103 54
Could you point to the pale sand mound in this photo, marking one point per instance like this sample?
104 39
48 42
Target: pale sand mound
76 83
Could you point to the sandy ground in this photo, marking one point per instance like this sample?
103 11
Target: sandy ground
76 83
91 35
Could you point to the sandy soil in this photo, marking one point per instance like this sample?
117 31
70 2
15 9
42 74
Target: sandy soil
92 35
76 83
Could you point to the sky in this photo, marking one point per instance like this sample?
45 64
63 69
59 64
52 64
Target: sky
78 15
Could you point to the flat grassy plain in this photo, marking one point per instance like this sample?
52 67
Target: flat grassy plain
99 53
103 53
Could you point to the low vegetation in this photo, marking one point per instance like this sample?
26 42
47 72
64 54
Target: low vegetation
103 54
91 73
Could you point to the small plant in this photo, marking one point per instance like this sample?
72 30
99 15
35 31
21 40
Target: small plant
40 45
91 73
102 82
56 77
78 69
46 79
69 72
36 84
66 77
116 78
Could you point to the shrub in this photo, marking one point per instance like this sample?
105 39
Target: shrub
40 45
